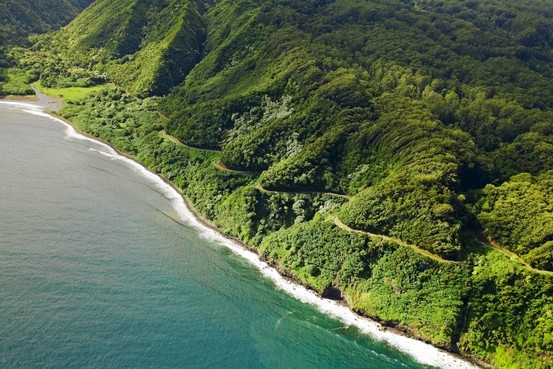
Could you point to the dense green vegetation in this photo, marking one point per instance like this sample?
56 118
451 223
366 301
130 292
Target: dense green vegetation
504 301
145 46
391 282
19 18
434 116
519 215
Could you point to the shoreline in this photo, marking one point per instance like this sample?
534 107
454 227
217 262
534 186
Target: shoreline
19 98
399 337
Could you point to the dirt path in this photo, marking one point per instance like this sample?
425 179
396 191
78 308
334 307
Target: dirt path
417 249
219 165
224 168
481 238
178 142
485 241
161 115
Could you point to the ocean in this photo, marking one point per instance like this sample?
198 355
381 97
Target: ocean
103 266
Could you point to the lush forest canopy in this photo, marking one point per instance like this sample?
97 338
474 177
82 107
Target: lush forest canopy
18 19
399 151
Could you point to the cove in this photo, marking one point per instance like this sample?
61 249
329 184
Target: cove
102 266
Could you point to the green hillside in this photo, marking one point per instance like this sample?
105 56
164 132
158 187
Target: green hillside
398 153
146 46
18 19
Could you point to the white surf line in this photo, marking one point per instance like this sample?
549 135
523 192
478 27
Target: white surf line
16 105
422 352
70 131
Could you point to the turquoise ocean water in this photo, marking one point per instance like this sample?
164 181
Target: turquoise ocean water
98 271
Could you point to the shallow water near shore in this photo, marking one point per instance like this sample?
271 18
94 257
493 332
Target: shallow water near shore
101 266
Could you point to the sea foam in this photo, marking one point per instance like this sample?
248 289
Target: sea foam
420 351
27 107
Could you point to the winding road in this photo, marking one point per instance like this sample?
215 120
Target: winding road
178 142
485 241
432 256
482 239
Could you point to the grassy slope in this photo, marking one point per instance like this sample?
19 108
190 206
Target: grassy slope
69 93
411 107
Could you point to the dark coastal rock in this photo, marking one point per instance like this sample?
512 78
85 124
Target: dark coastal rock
332 293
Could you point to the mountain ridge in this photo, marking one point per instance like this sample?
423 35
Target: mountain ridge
433 115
